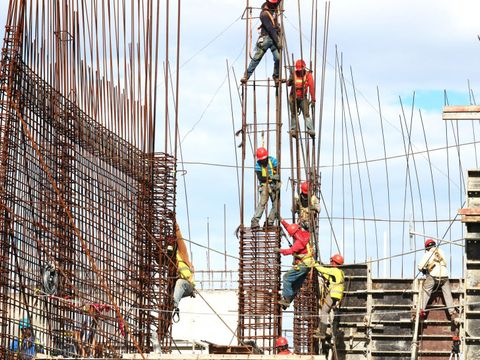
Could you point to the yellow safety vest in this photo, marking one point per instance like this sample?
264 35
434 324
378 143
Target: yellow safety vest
265 169
184 271
335 278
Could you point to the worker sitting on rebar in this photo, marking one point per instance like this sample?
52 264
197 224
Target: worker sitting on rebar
26 346
306 209
302 252
269 39
301 81
269 179
185 284
434 266
332 287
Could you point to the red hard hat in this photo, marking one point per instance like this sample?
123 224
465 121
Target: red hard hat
337 259
454 338
262 153
304 187
273 1
300 65
429 242
281 341
292 228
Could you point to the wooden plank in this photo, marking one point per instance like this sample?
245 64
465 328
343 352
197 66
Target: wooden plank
470 112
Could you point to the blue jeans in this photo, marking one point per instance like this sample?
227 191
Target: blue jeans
263 44
183 288
293 280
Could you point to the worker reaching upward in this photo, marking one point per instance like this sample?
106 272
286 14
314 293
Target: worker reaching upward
269 186
305 206
333 280
185 284
302 252
434 266
269 39
301 81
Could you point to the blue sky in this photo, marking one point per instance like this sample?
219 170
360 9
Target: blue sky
401 47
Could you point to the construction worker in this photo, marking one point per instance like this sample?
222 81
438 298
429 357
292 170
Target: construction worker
269 186
302 252
434 266
301 82
303 206
333 286
26 346
185 284
269 39
282 346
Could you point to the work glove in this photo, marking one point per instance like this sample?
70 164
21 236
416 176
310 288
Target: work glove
275 177
284 251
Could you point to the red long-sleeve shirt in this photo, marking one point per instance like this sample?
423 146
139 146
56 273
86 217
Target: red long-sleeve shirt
299 246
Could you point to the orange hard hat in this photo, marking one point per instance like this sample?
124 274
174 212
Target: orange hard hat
304 187
429 242
337 259
300 65
281 341
292 228
262 153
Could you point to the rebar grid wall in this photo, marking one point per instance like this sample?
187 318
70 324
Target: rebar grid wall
305 319
259 288
122 206
85 212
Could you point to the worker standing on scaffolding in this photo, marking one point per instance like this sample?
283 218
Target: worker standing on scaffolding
301 81
302 252
185 284
266 170
332 287
306 207
434 266
269 39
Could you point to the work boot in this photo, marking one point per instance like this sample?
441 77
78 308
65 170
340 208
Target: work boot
268 224
311 133
243 80
293 133
455 318
254 225
285 303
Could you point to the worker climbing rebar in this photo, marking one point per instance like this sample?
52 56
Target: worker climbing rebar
306 207
301 81
434 267
332 286
185 284
269 186
304 262
270 38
